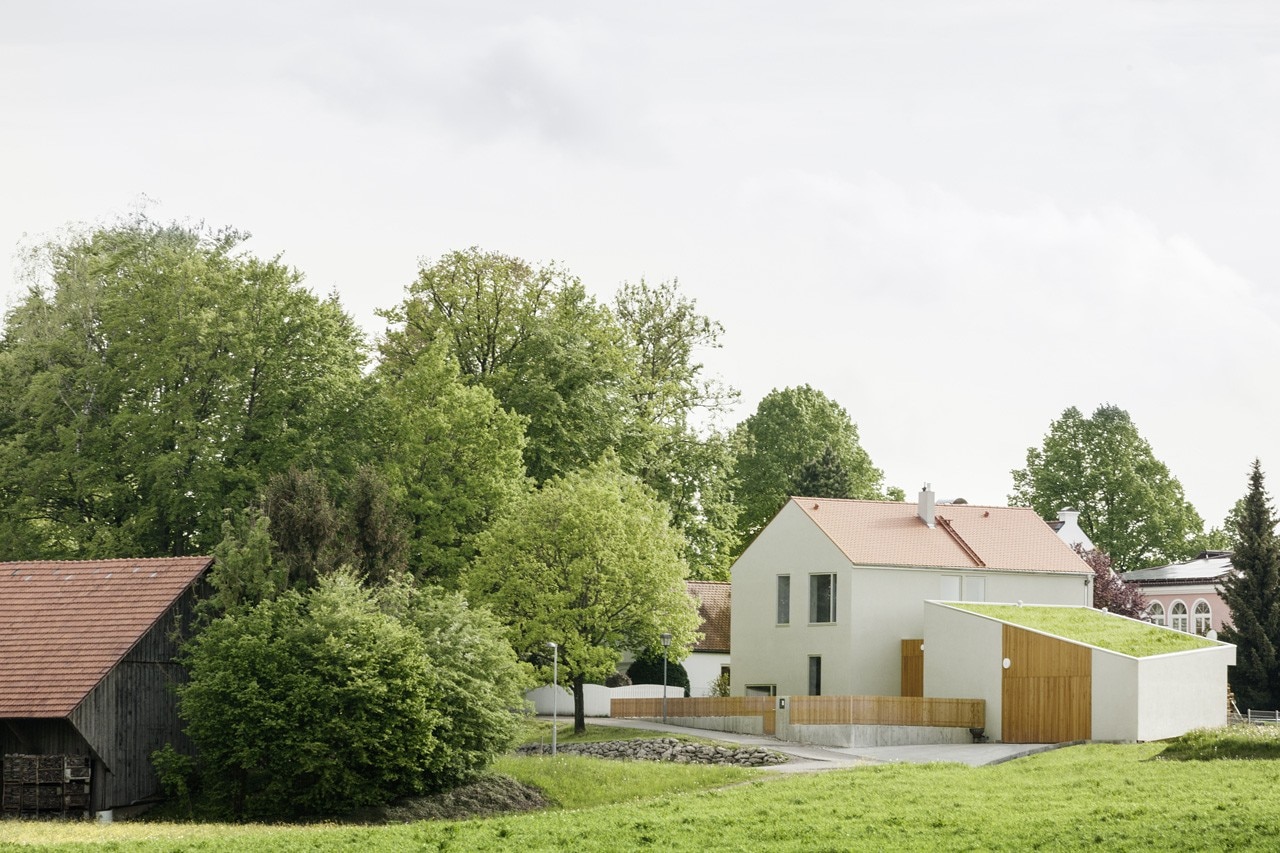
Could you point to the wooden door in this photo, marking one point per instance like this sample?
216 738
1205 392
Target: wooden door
912 668
1047 692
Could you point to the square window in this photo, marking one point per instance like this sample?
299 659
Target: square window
822 598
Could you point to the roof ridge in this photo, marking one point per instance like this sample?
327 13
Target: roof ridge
964 546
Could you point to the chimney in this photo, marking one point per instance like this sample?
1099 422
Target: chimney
1071 516
927 505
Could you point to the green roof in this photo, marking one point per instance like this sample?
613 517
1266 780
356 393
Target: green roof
1094 628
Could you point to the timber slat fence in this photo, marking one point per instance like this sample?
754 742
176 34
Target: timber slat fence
699 706
820 710
886 711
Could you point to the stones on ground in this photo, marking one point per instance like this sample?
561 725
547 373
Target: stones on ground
664 749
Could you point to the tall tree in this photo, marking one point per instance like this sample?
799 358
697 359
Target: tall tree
1130 506
789 428
591 563
453 454
534 338
672 399
1252 594
159 375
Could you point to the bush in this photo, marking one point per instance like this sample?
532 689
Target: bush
1245 741
720 687
321 702
618 679
647 669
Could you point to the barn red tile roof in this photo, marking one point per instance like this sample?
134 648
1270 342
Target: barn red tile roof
885 533
64 625
713 607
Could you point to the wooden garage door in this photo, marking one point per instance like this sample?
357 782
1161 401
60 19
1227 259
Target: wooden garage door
1046 695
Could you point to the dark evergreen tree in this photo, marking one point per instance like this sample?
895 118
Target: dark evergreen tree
1252 592
823 476
647 669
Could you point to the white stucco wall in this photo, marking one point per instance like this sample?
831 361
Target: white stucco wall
703 669
596 698
1183 691
962 659
876 608
1114 696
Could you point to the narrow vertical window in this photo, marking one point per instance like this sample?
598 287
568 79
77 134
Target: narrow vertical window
815 675
784 599
1178 617
822 598
1155 613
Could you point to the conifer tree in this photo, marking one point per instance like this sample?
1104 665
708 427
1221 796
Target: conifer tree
823 476
1252 592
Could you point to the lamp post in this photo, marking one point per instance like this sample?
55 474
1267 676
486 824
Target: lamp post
666 647
555 697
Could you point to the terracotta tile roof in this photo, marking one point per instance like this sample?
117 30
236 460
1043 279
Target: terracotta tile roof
884 533
713 607
64 625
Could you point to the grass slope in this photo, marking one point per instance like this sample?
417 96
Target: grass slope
1104 630
1099 796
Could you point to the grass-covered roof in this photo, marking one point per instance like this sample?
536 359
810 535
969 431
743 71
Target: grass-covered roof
1093 627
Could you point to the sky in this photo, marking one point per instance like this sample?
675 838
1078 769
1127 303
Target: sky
955 219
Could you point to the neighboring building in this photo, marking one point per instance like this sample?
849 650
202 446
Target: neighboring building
710 657
1069 530
88 669
827 594
1185 595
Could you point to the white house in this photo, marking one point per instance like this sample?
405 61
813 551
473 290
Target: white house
1069 530
710 657
829 590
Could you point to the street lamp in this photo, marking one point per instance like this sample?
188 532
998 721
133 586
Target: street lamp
666 647
555 695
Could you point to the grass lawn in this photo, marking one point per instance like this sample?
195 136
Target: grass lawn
1099 796
1104 630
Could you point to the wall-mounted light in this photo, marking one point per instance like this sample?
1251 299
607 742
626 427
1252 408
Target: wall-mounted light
1006 663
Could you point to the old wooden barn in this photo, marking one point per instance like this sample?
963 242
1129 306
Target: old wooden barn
87 669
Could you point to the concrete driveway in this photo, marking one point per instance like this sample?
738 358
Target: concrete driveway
806 758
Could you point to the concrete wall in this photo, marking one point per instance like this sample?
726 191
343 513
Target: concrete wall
1114 693
876 608
962 659
857 735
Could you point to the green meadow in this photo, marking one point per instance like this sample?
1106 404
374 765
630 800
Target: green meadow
1097 796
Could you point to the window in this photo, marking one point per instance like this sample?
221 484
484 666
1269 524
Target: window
1178 617
1155 613
815 675
761 690
822 598
975 589
950 588
1202 617
784 599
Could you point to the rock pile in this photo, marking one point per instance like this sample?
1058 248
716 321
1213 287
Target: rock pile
664 749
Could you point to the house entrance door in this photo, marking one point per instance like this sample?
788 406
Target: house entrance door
1046 695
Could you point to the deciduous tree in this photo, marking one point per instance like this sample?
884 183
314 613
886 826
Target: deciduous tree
1111 591
1252 594
589 562
1130 506
789 428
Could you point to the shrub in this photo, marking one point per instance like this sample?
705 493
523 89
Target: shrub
720 687
647 669
1245 741
323 701
618 679
176 773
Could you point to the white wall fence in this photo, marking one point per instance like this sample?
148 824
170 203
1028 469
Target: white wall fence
596 697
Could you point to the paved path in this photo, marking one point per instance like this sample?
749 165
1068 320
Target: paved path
808 758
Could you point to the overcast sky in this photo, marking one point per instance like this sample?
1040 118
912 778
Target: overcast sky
956 219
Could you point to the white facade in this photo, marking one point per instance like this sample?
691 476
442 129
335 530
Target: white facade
876 607
703 669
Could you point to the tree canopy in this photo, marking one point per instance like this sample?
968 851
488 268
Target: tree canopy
1111 592
1252 594
589 562
1130 506
789 429
157 377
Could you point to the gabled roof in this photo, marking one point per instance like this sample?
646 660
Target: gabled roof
964 536
713 607
1207 567
64 625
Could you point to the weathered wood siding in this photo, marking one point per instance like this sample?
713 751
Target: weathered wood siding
1047 691
134 711
912 668
702 706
